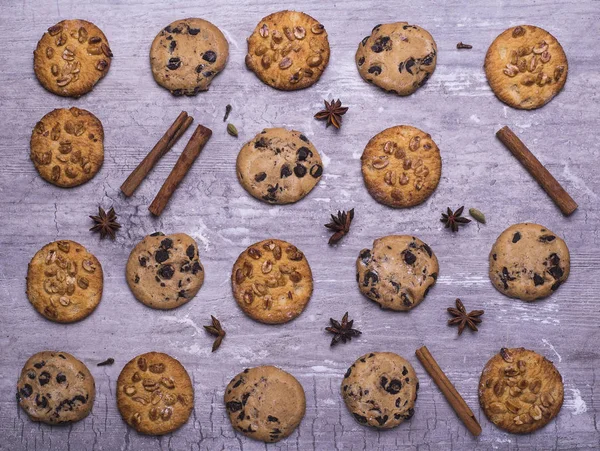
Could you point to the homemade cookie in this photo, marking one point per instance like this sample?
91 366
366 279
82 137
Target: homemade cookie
288 50
380 390
272 281
526 67
64 281
164 271
67 146
398 272
528 262
55 388
397 57
187 54
279 166
155 395
265 403
401 166
71 58
520 391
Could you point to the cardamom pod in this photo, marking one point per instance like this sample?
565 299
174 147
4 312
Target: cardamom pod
232 130
477 215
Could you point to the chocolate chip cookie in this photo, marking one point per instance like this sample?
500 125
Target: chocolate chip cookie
272 281
265 403
55 388
279 166
187 54
529 262
155 395
526 67
164 271
520 391
288 50
71 58
397 57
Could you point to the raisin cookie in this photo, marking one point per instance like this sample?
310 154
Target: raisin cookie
71 58
288 50
520 391
272 281
398 272
64 281
526 67
187 54
155 395
529 262
397 57
401 166
67 147
55 388
265 403
164 271
279 166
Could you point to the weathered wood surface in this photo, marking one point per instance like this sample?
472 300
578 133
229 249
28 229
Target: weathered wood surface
456 107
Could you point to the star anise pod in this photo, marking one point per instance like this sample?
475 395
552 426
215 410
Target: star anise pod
453 220
342 331
216 330
462 318
340 224
105 223
333 112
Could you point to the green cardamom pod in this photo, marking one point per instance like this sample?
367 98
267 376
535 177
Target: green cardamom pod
477 215
232 130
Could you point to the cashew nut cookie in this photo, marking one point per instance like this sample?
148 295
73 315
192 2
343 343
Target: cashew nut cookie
398 272
71 58
526 67
288 50
64 281
265 403
397 57
380 390
187 54
520 391
155 395
164 271
529 262
279 166
67 147
401 166
272 281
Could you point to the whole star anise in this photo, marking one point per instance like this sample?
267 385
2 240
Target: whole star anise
340 224
462 318
342 331
333 112
453 220
105 223
216 330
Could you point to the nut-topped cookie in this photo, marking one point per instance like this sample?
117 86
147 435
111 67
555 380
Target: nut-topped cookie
64 281
272 281
288 50
401 166
71 58
526 67
520 391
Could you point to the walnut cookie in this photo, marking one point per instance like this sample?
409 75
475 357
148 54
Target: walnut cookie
288 50
64 281
526 67
71 58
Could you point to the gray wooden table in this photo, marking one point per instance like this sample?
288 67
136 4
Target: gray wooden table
456 106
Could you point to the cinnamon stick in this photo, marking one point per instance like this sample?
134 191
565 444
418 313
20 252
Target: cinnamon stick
554 189
184 163
456 401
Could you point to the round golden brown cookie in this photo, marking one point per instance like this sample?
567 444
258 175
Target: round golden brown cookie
272 281
187 54
397 57
529 262
71 58
288 50
64 281
380 390
164 271
526 67
279 166
520 391
155 395
265 403
401 166
55 388
398 272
